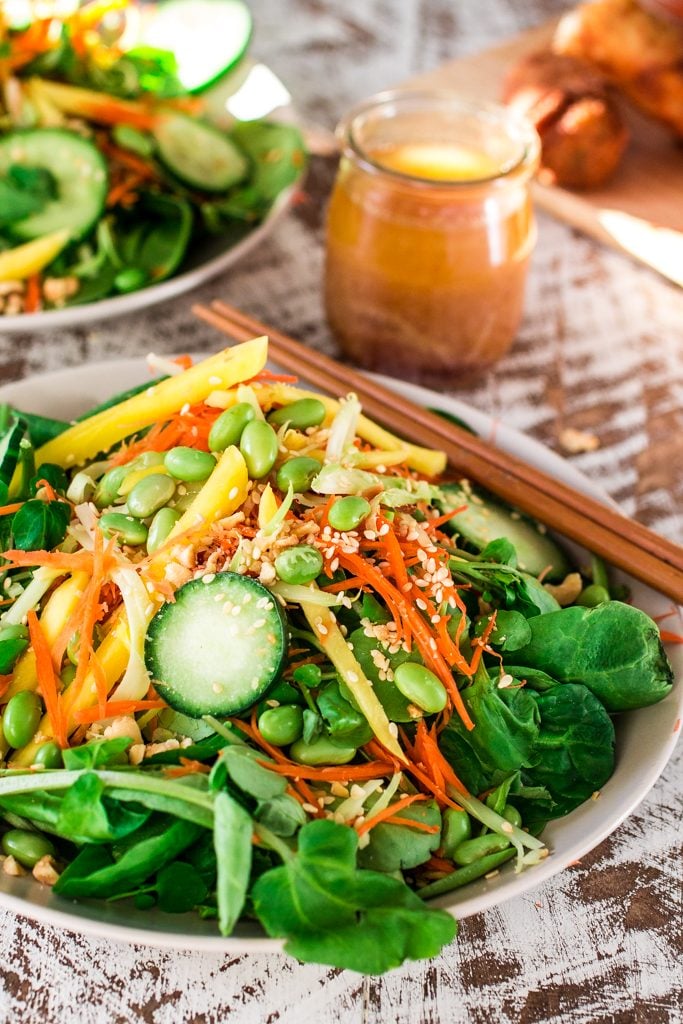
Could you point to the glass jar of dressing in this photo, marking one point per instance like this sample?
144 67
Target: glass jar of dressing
429 233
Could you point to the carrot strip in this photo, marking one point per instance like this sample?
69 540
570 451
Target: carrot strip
47 680
187 767
421 826
351 583
670 638
388 812
115 709
80 561
254 734
341 773
434 524
32 295
8 510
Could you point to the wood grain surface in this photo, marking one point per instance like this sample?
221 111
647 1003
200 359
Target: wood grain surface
601 350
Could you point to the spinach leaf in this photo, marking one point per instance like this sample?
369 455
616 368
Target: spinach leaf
89 816
40 525
614 649
343 721
573 754
24 191
155 235
9 450
179 888
232 843
330 912
277 153
391 698
94 872
398 847
506 723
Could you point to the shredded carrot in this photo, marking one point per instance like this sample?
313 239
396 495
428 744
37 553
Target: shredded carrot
335 773
421 826
8 510
388 812
124 190
187 767
90 607
116 708
253 732
434 524
185 361
50 492
670 638
33 294
350 583
80 561
439 864
47 680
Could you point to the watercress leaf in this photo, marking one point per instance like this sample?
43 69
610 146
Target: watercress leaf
179 888
40 525
313 725
102 878
96 754
176 798
343 721
232 843
54 475
398 847
87 815
501 551
614 649
330 912
243 767
282 814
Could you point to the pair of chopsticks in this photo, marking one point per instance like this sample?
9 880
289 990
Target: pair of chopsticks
619 540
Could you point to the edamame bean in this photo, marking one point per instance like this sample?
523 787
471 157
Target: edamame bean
184 496
189 464
130 279
593 595
259 448
457 827
282 726
22 718
128 529
472 849
297 473
307 412
107 489
150 494
348 513
160 528
227 429
49 755
320 752
299 565
512 815
421 687
26 847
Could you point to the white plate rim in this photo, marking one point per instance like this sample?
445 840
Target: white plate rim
114 375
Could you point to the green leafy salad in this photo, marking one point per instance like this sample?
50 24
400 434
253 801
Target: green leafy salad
112 176
261 660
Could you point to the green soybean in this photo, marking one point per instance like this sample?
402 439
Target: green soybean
150 494
107 489
184 496
26 847
259 448
49 755
160 528
593 595
282 726
299 565
307 412
457 827
227 430
321 751
348 513
298 473
21 718
512 815
465 875
128 529
421 687
472 849
189 464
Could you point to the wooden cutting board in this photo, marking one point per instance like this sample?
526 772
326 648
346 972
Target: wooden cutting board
640 211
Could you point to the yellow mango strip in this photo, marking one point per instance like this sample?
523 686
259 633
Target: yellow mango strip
137 475
428 461
99 433
331 639
30 258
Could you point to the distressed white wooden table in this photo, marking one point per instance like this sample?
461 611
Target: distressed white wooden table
601 349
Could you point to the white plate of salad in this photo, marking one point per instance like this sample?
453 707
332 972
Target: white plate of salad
245 637
123 181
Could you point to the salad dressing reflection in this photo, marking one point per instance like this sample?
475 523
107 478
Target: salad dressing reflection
427 252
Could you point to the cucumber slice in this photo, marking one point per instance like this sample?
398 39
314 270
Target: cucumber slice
199 154
80 174
485 520
207 37
204 659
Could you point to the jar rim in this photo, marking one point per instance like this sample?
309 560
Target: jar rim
515 124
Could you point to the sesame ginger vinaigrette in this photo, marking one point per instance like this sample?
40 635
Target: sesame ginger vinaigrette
429 233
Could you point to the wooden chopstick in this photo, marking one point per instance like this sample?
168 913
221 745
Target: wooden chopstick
621 541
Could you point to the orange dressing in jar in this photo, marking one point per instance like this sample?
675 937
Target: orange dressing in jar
429 233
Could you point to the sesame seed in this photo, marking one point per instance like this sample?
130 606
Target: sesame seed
209 577
233 492
215 380
393 729
492 874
